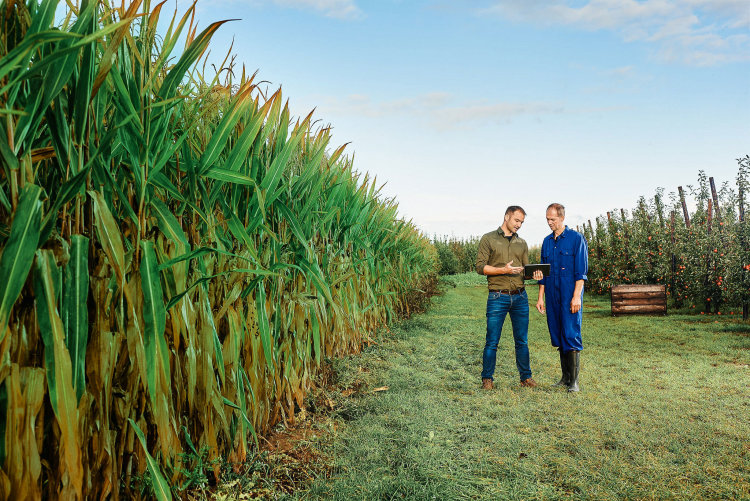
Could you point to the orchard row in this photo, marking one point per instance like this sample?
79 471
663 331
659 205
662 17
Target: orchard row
694 241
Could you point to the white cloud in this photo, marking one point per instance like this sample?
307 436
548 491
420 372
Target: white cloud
699 32
622 71
440 110
492 112
339 9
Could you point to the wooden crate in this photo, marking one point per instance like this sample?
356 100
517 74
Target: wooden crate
639 300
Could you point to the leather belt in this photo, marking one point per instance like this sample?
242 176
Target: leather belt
510 292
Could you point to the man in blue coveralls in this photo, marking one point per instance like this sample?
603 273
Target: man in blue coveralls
567 253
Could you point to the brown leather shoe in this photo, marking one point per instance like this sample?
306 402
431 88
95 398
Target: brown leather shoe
529 382
487 384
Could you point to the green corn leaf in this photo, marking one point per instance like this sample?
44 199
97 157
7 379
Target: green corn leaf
160 180
294 224
167 154
283 129
75 310
264 327
315 333
17 58
229 176
205 280
59 372
202 251
18 254
68 190
170 40
243 384
314 274
85 82
59 131
239 231
8 157
231 404
126 107
240 151
217 344
168 224
125 203
190 56
176 299
239 107
70 43
38 35
109 235
272 120
273 176
55 77
30 119
50 323
311 169
161 488
155 318
113 44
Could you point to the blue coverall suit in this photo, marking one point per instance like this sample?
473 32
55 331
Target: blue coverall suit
568 257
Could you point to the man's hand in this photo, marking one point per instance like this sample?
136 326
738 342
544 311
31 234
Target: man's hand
575 304
540 306
538 275
511 270
540 302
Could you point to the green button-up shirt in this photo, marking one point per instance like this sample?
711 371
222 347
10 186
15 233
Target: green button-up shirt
496 250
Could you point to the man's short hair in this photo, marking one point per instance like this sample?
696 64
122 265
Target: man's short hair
559 208
514 208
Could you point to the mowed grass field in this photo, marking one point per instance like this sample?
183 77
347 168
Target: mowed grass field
662 414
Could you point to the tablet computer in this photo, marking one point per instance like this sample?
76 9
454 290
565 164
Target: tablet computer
529 270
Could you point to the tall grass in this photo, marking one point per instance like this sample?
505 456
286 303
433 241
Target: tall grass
178 253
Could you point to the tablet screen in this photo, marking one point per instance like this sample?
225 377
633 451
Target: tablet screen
529 270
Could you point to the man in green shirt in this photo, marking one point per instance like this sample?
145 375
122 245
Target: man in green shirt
501 257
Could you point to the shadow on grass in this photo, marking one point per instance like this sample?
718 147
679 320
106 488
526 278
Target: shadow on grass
741 328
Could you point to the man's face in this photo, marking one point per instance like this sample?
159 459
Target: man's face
514 221
554 221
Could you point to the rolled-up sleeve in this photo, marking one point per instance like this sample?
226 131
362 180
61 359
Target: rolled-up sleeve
543 260
483 254
581 266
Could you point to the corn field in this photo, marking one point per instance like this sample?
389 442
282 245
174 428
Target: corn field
178 253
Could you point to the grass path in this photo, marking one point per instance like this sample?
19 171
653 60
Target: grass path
663 411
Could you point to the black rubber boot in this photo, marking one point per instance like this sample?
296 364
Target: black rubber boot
574 367
564 380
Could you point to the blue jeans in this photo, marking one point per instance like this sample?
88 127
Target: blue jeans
498 305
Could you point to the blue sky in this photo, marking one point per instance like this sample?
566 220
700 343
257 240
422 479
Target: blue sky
464 107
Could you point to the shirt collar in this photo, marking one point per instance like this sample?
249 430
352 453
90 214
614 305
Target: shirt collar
502 233
562 235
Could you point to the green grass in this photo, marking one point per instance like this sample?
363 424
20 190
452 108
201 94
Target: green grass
663 411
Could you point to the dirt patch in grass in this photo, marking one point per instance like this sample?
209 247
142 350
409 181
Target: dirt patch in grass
291 455
294 455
